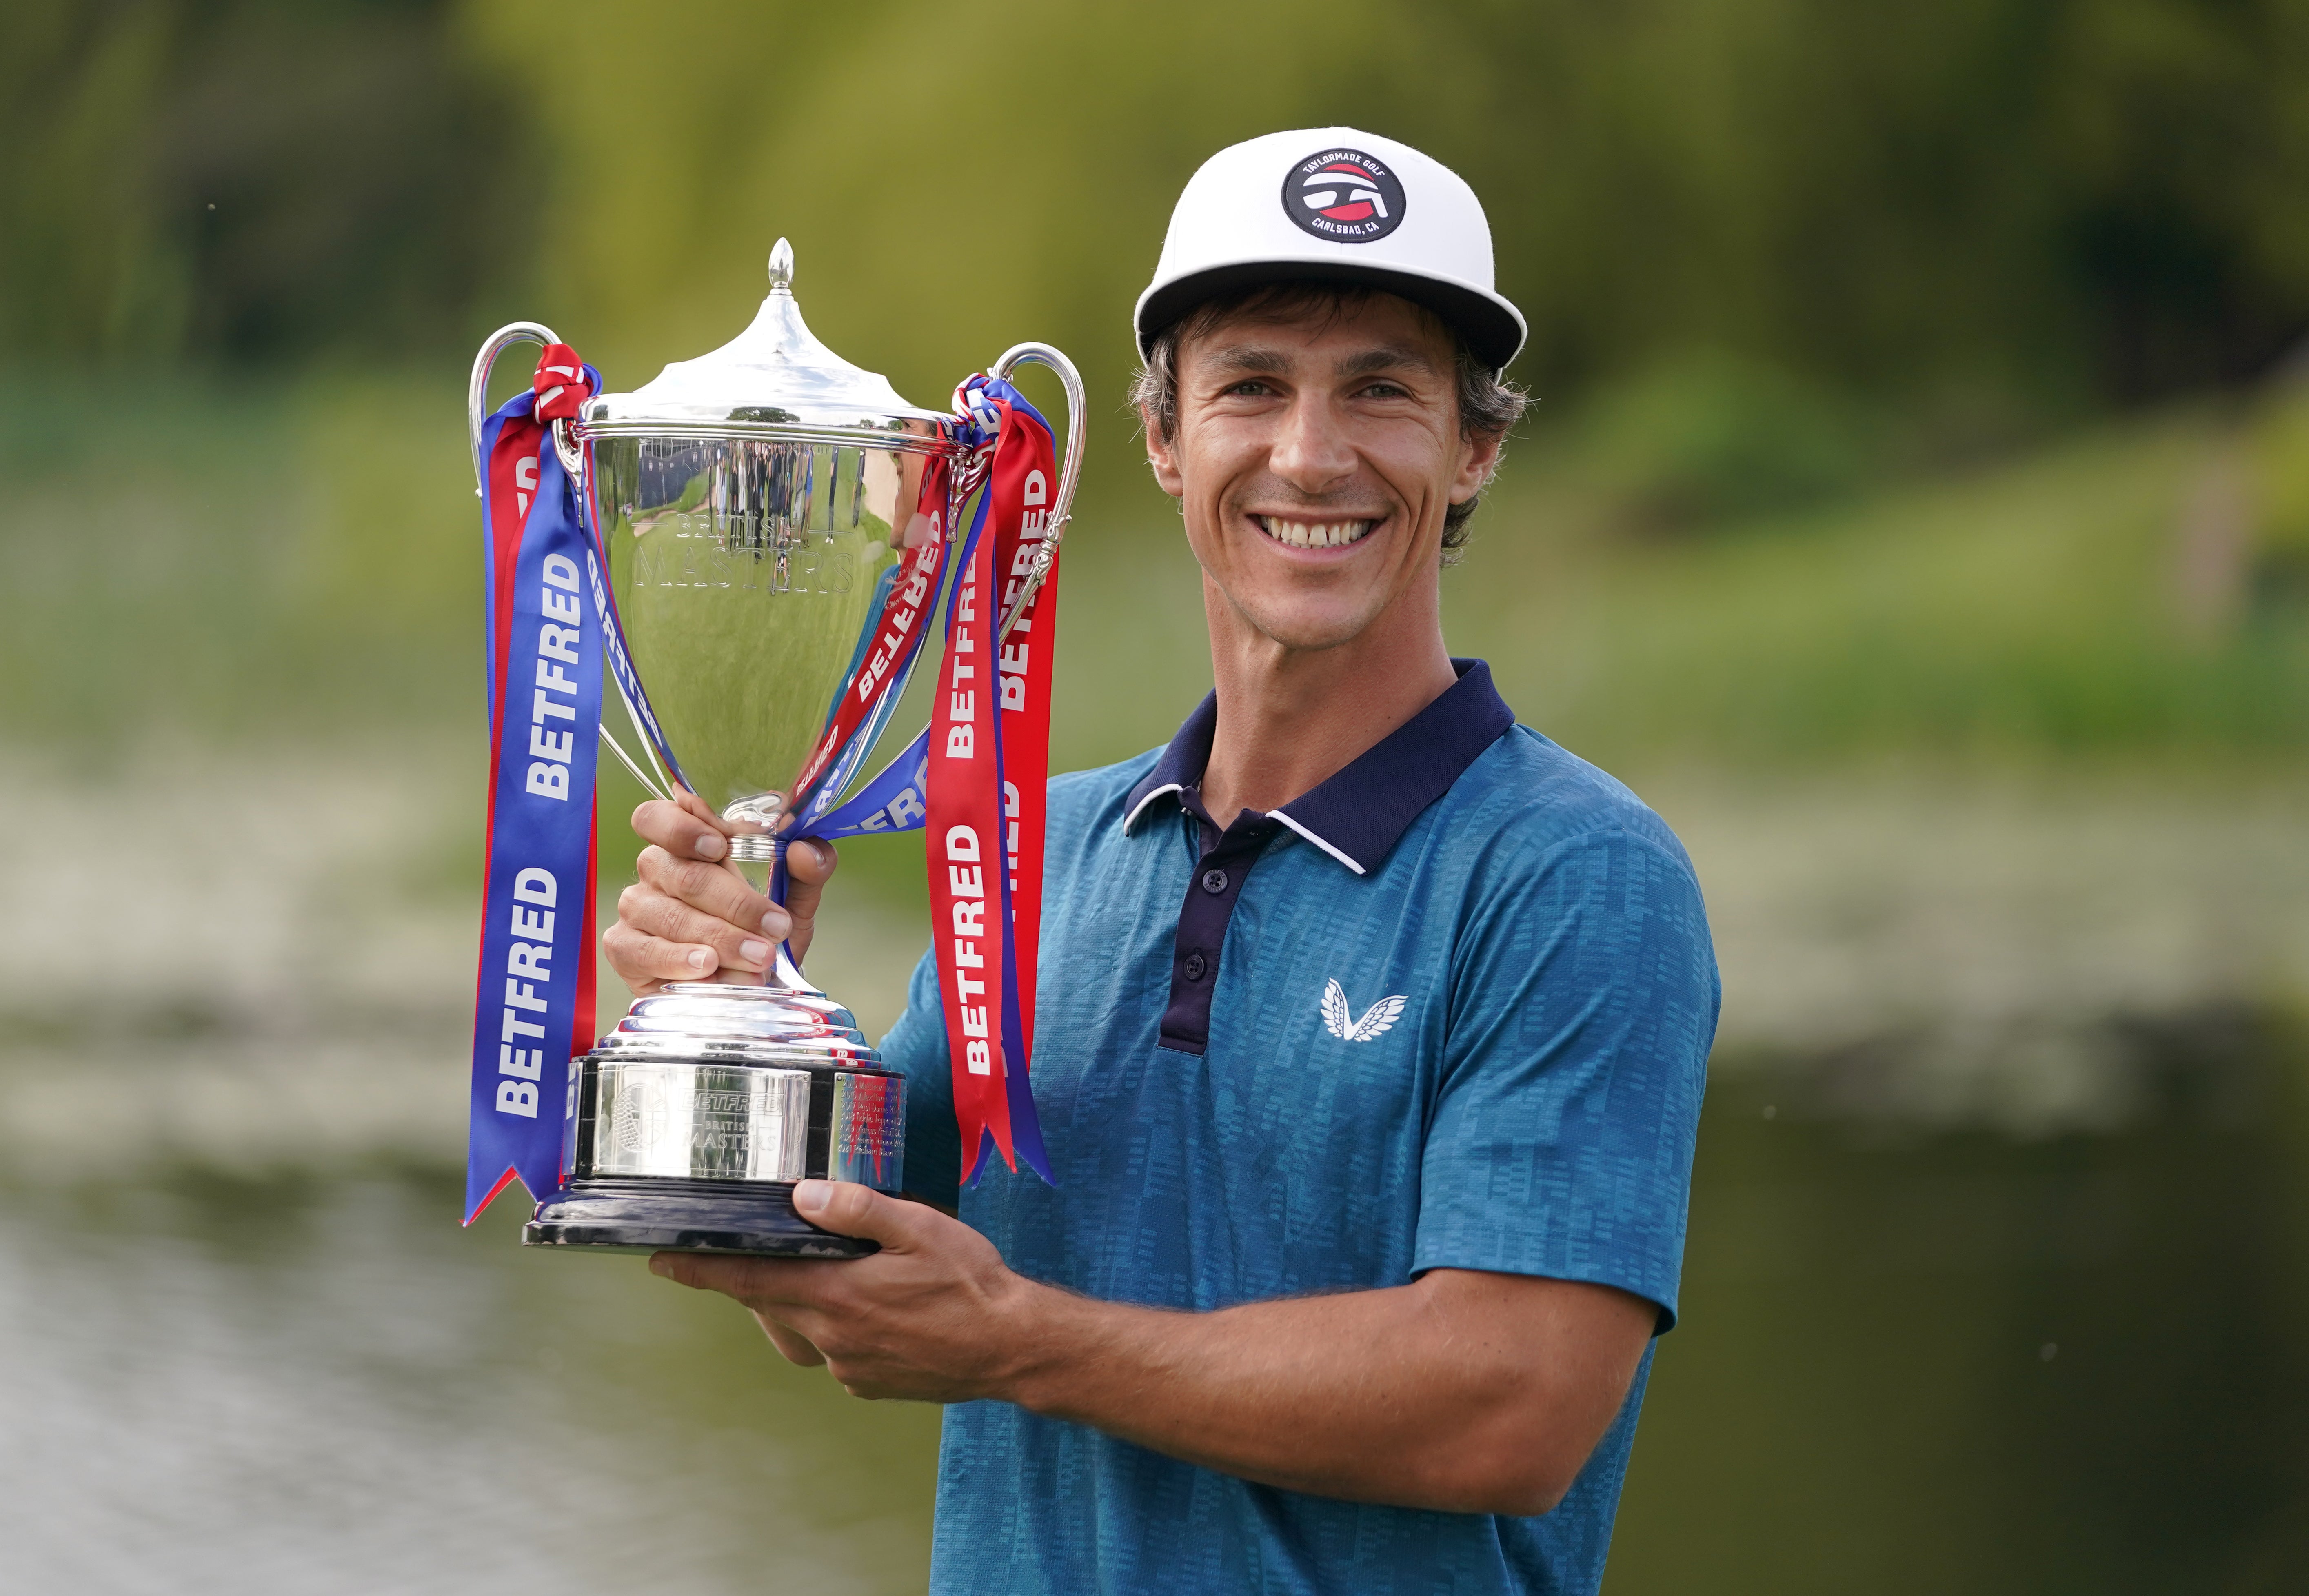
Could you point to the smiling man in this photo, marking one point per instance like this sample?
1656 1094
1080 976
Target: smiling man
1372 1025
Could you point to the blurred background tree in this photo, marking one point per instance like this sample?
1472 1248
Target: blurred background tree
1979 215
252 184
1777 255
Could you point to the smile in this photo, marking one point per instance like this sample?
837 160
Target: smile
1314 534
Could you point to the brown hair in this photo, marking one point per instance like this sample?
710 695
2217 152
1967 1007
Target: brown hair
1488 406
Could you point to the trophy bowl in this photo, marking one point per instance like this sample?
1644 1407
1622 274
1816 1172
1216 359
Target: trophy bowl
756 506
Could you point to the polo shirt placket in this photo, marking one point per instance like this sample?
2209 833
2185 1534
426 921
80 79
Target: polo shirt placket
1355 818
1223 865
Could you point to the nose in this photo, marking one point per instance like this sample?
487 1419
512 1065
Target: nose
1311 451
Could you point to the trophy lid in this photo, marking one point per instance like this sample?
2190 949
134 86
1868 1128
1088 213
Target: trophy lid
774 379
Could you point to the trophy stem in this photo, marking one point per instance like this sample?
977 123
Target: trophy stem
760 848
786 975
752 848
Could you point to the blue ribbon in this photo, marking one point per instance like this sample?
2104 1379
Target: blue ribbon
537 926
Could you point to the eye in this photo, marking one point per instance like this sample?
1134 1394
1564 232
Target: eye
1384 388
1250 388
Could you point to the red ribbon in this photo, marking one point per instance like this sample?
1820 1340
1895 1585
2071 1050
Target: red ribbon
1025 663
988 762
561 384
966 875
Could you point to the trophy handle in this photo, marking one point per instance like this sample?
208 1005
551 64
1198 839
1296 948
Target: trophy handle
1069 469
477 410
477 394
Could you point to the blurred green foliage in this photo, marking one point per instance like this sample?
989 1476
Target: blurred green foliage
236 558
1709 435
2279 441
1805 271
271 563
1981 215
1973 211
252 181
2021 609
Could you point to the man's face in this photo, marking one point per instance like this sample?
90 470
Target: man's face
1314 458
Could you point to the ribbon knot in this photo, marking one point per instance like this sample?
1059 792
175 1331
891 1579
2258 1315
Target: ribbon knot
561 384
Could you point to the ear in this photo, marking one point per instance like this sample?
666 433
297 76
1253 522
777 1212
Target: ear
1479 457
1162 456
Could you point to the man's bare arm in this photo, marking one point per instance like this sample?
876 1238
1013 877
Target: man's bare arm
1466 1391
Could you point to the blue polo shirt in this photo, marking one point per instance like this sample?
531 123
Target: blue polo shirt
1451 1009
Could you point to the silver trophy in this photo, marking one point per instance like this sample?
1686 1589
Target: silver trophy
756 504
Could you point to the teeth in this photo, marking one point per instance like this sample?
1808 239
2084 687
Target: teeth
1314 534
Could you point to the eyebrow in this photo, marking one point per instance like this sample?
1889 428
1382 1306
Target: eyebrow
1248 356
1387 357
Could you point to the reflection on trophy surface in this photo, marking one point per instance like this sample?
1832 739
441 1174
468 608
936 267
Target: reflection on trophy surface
756 504
748 572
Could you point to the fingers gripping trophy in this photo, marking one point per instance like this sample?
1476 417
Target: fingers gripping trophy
746 554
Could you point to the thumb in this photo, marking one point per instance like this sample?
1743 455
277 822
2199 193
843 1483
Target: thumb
848 1209
809 865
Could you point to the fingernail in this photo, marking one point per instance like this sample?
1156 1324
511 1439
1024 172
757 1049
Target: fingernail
661 1267
810 1196
777 923
701 958
754 952
711 846
816 859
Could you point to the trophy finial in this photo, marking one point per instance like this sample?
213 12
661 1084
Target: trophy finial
782 268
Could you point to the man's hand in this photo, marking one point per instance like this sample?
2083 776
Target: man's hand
935 1316
1464 1391
692 917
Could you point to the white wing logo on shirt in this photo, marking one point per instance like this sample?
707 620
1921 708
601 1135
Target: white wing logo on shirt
1376 1022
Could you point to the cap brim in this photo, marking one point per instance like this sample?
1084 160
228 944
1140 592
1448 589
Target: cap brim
1489 324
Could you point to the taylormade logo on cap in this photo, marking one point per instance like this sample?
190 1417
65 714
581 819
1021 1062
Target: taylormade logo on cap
1343 195
1352 207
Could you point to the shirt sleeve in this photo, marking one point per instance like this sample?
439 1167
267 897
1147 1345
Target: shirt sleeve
1583 1001
916 1046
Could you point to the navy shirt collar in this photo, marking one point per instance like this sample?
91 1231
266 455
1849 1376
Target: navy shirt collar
1358 814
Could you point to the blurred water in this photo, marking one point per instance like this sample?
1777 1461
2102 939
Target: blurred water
325 1386
1910 1361
1920 1360
1997 1250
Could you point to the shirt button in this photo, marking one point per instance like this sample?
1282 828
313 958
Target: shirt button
1214 882
1197 965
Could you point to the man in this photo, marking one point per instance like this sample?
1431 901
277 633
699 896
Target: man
1372 1025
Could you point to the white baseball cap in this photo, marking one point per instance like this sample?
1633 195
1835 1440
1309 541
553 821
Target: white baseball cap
1333 204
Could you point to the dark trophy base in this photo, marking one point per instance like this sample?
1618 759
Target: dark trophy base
645 1216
